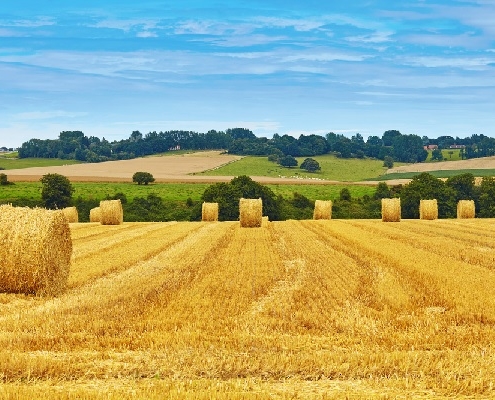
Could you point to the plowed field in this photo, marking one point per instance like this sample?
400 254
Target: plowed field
295 309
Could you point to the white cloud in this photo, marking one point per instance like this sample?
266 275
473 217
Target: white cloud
146 34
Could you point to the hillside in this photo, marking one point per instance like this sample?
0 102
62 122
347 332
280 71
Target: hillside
474 163
296 309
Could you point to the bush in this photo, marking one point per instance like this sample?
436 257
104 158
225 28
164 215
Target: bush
142 178
310 165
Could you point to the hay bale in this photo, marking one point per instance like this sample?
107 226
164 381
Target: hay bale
428 209
264 221
251 213
391 210
465 209
111 212
71 214
36 251
95 214
323 209
209 212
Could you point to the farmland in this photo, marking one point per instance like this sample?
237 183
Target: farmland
294 309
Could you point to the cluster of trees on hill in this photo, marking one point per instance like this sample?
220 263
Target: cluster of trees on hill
392 145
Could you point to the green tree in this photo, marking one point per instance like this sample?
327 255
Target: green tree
56 191
487 198
436 155
424 187
388 162
382 191
288 161
310 165
4 179
227 195
345 194
142 178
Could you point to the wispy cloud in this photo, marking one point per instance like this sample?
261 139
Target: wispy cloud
37 115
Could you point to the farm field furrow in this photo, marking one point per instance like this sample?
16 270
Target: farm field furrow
294 309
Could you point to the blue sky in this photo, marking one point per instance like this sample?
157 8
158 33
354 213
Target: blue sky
110 67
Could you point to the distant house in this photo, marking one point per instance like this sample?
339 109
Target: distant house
174 148
457 146
431 147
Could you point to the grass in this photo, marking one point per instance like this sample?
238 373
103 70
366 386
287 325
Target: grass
170 191
455 156
332 168
439 174
18 163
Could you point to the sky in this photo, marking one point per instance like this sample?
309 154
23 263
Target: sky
108 67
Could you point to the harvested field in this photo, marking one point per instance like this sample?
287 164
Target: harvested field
294 309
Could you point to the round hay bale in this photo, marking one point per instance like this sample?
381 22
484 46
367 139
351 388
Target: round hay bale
465 209
111 212
251 213
323 209
95 214
36 251
391 210
71 214
428 209
209 212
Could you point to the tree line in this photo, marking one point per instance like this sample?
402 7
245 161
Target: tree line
392 145
57 192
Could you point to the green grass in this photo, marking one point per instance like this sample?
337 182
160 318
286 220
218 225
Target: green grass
18 163
439 174
332 168
170 191
455 156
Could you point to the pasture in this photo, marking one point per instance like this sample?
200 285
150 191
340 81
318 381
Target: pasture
295 309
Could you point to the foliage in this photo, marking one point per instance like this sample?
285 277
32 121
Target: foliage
436 155
288 161
310 165
142 178
56 191
345 195
4 180
227 195
388 162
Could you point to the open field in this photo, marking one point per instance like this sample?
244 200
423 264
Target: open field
332 169
295 309
9 163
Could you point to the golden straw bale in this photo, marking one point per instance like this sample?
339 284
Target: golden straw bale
323 209
36 251
428 209
95 214
251 213
264 221
465 209
71 214
111 212
391 210
209 212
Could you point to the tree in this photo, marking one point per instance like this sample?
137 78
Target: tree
436 155
288 161
388 162
4 179
56 191
227 195
310 165
142 178
345 194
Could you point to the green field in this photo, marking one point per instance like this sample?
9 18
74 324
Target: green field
438 174
7 162
170 191
447 155
332 168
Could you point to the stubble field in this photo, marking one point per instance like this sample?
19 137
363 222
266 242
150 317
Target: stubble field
294 309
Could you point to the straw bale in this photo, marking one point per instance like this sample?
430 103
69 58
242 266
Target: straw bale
323 209
428 209
95 214
36 251
71 214
391 210
264 221
209 212
251 213
111 212
465 209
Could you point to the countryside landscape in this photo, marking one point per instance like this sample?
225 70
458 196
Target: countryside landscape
335 308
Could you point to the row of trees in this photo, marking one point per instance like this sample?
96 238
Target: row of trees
392 144
57 192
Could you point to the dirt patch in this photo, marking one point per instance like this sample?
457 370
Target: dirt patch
474 163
